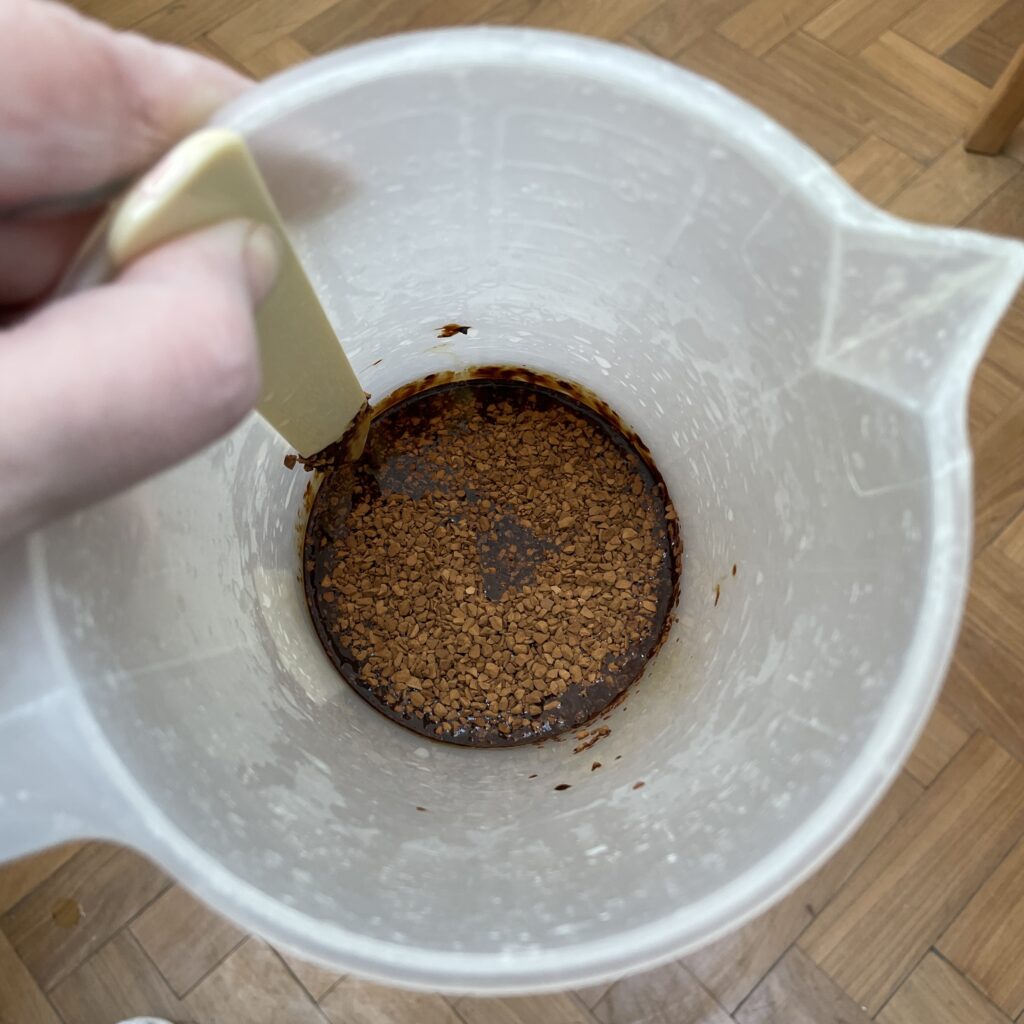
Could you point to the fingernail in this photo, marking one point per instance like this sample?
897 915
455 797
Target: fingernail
262 261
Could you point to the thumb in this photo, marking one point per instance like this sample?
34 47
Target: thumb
106 387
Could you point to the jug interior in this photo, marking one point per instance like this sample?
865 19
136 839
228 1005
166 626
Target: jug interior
582 226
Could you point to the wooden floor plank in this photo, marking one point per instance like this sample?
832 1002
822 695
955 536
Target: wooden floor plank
667 995
763 24
253 986
857 94
992 392
940 742
442 13
999 476
730 968
316 980
939 24
847 26
1006 354
985 683
986 941
21 999
988 49
184 21
953 187
258 24
673 25
354 1001
20 877
208 48
184 938
280 54
985 687
121 13
797 991
79 907
903 796
117 982
928 866
350 21
606 18
554 1009
877 169
805 111
591 995
954 96
1011 541
1003 213
1006 350
981 55
936 994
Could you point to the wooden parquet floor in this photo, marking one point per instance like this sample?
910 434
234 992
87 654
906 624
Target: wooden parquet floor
920 918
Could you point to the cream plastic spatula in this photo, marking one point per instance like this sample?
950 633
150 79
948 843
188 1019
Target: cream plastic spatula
311 395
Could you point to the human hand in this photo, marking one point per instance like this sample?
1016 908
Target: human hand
104 387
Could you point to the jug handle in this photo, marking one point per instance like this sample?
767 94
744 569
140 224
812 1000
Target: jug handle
52 785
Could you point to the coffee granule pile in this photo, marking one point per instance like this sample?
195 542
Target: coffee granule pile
498 566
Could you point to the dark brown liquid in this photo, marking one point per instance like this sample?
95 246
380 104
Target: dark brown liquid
440 514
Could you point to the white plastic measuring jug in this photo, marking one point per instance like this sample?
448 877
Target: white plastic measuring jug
797 361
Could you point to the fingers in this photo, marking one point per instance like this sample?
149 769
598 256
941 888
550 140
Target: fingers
106 387
92 105
34 253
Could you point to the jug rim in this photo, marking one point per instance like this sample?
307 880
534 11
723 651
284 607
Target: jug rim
796 165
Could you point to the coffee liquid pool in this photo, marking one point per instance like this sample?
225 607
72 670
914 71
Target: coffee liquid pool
498 566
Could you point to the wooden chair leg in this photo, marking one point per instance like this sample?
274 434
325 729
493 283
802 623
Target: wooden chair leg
1003 111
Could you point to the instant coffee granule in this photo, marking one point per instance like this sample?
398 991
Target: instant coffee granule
497 567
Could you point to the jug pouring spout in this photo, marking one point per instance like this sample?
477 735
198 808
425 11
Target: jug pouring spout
911 308
52 786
